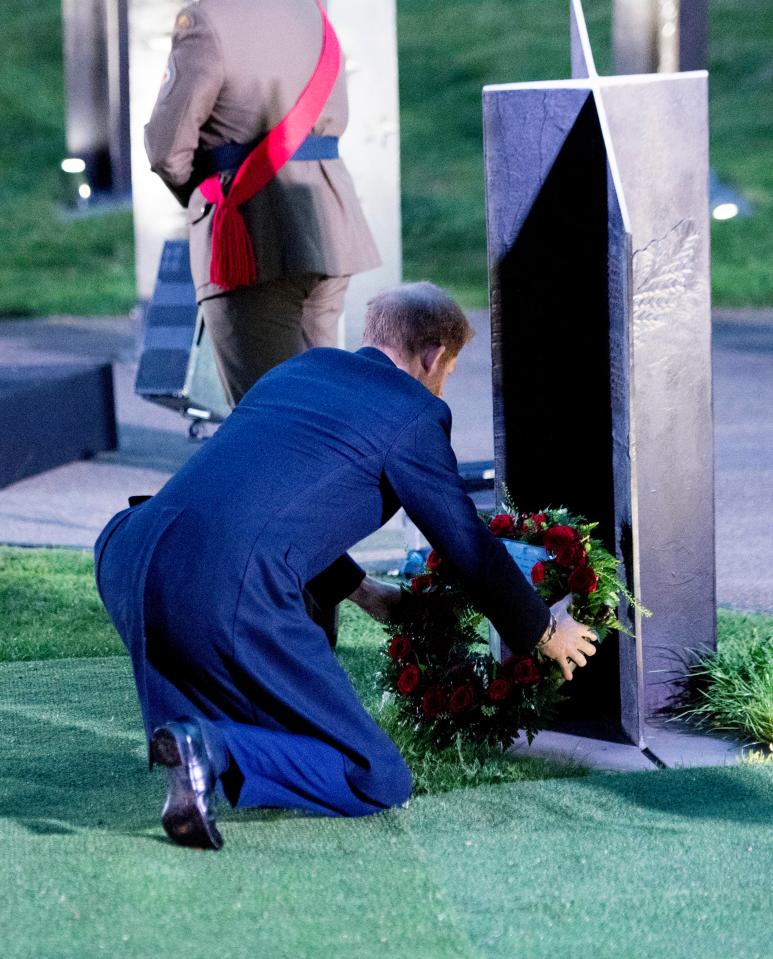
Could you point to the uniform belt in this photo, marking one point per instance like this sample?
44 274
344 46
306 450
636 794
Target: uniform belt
229 156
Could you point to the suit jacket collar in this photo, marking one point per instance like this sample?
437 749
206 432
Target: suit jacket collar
371 353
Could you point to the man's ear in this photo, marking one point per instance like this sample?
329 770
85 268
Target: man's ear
431 357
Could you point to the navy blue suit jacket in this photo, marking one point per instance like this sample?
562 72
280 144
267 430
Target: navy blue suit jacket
318 455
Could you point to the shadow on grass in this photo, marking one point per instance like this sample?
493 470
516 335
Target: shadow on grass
723 793
65 783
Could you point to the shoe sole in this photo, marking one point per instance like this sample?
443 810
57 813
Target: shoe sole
182 819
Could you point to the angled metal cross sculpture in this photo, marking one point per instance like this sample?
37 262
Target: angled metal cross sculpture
598 232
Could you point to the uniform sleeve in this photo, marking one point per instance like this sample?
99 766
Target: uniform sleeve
422 470
188 93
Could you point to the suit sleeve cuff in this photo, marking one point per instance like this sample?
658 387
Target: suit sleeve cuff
335 583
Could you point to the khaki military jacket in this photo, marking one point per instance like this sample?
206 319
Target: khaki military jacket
235 70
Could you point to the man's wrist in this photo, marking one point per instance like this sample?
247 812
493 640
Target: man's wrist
549 633
379 600
367 592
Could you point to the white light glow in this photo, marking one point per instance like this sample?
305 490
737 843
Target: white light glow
84 191
161 44
725 211
73 165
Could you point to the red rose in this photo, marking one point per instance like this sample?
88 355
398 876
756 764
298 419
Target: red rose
526 672
434 560
400 647
565 545
462 700
499 690
558 536
421 583
502 525
537 573
578 556
538 519
583 580
434 702
409 679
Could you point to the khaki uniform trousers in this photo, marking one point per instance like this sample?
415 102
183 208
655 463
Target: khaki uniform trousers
254 328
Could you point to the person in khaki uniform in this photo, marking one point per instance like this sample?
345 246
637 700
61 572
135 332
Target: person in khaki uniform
236 69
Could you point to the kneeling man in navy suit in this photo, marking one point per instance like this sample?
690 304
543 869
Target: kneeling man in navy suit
205 581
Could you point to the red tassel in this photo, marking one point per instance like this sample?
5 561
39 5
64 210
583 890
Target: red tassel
233 257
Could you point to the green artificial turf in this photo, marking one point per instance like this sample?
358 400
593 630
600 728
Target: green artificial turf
670 863
447 52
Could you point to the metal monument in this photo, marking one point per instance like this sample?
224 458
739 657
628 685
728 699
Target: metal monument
598 233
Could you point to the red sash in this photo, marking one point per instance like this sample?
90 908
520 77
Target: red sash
233 258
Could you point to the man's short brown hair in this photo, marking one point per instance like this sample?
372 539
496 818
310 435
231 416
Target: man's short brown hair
415 316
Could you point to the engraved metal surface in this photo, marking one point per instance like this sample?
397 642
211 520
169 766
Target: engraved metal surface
668 289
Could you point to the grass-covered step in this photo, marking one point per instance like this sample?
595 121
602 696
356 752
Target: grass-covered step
668 863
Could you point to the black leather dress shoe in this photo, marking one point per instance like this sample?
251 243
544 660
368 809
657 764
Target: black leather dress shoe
189 812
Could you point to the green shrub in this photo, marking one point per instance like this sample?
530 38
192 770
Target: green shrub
732 689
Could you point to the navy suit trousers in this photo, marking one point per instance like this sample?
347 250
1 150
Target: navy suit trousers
282 724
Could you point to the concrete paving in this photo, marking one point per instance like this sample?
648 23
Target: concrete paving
677 745
68 506
743 433
598 755
671 745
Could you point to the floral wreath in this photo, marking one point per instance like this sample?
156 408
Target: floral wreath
437 668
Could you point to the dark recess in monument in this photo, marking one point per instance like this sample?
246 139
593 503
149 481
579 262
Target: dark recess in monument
552 327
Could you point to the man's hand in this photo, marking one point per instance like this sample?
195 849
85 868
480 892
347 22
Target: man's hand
379 600
571 643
